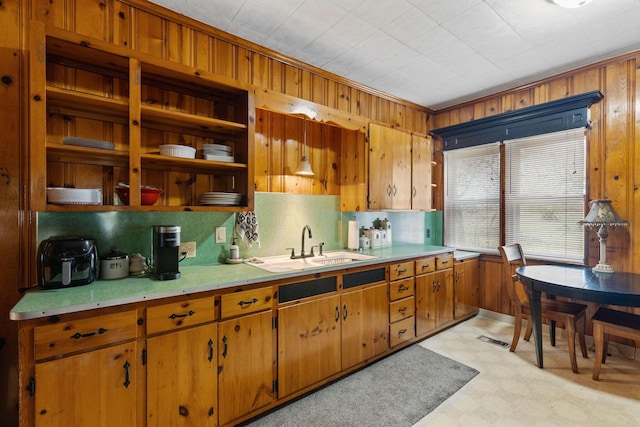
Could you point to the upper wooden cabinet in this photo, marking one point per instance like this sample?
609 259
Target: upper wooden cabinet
86 88
389 168
399 169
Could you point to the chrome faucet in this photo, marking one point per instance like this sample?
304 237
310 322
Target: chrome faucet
302 254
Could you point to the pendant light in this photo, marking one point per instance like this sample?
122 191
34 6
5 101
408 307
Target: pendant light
304 168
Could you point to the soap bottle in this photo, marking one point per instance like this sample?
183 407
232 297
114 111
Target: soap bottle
234 250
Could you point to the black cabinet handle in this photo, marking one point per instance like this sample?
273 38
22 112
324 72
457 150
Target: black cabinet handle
402 309
253 301
346 312
126 367
176 316
337 314
403 288
224 342
78 335
210 344
401 332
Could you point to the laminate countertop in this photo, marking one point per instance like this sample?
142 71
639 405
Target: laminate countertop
38 302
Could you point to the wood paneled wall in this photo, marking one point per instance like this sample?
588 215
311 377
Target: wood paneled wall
613 162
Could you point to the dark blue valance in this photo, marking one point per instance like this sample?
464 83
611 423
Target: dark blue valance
563 114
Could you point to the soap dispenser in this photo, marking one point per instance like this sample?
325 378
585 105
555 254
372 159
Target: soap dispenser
234 250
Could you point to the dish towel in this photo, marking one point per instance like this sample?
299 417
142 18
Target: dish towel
247 228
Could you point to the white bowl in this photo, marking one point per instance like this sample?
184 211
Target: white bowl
74 196
175 150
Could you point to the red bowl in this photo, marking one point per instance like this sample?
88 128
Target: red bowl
148 195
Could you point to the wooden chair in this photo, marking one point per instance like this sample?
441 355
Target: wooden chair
569 313
612 322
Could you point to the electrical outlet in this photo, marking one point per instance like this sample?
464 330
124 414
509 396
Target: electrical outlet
428 234
221 234
189 248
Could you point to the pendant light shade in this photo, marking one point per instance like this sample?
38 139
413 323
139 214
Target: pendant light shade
304 168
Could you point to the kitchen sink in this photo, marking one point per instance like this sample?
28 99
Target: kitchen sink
281 264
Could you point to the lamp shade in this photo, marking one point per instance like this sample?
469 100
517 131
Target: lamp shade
602 213
304 168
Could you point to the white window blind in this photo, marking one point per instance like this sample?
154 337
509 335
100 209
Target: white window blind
472 198
544 194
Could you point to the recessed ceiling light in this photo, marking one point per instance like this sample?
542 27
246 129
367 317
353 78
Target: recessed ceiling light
571 4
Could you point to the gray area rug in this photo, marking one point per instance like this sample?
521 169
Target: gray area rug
396 391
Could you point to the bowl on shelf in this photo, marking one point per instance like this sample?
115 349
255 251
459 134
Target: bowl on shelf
148 195
175 150
74 196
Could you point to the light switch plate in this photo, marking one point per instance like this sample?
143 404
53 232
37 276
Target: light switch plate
221 234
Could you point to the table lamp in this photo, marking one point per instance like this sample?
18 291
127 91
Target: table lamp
602 215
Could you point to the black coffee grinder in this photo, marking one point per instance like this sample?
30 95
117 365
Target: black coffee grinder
165 249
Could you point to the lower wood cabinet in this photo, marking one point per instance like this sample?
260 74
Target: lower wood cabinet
466 288
246 365
364 324
308 343
181 378
434 300
96 388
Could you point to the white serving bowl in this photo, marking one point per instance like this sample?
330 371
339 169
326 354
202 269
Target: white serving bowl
175 150
74 196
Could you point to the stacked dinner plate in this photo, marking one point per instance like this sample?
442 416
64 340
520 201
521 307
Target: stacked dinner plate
217 152
220 198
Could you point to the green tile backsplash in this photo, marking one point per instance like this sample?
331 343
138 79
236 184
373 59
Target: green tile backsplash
281 217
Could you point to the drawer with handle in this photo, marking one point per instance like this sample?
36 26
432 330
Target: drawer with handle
78 335
426 265
244 302
444 261
180 314
401 331
401 309
400 270
401 289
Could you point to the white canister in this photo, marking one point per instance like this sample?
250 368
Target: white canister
114 266
365 243
375 238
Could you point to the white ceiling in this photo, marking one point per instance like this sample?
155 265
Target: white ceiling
435 53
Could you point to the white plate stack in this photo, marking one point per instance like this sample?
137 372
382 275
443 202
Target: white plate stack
217 152
220 198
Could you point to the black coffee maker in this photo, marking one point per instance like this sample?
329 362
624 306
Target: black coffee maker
165 249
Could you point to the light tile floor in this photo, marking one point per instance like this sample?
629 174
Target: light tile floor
511 390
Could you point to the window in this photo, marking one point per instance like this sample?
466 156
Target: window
544 187
544 194
472 198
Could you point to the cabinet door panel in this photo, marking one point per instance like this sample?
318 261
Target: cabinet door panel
365 324
97 388
246 363
466 290
380 167
181 378
445 296
425 303
308 343
401 187
421 173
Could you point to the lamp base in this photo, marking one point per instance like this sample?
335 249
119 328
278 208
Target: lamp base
602 268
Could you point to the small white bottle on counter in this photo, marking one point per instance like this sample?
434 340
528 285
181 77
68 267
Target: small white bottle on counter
234 250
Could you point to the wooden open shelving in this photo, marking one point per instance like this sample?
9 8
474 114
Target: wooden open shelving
96 90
